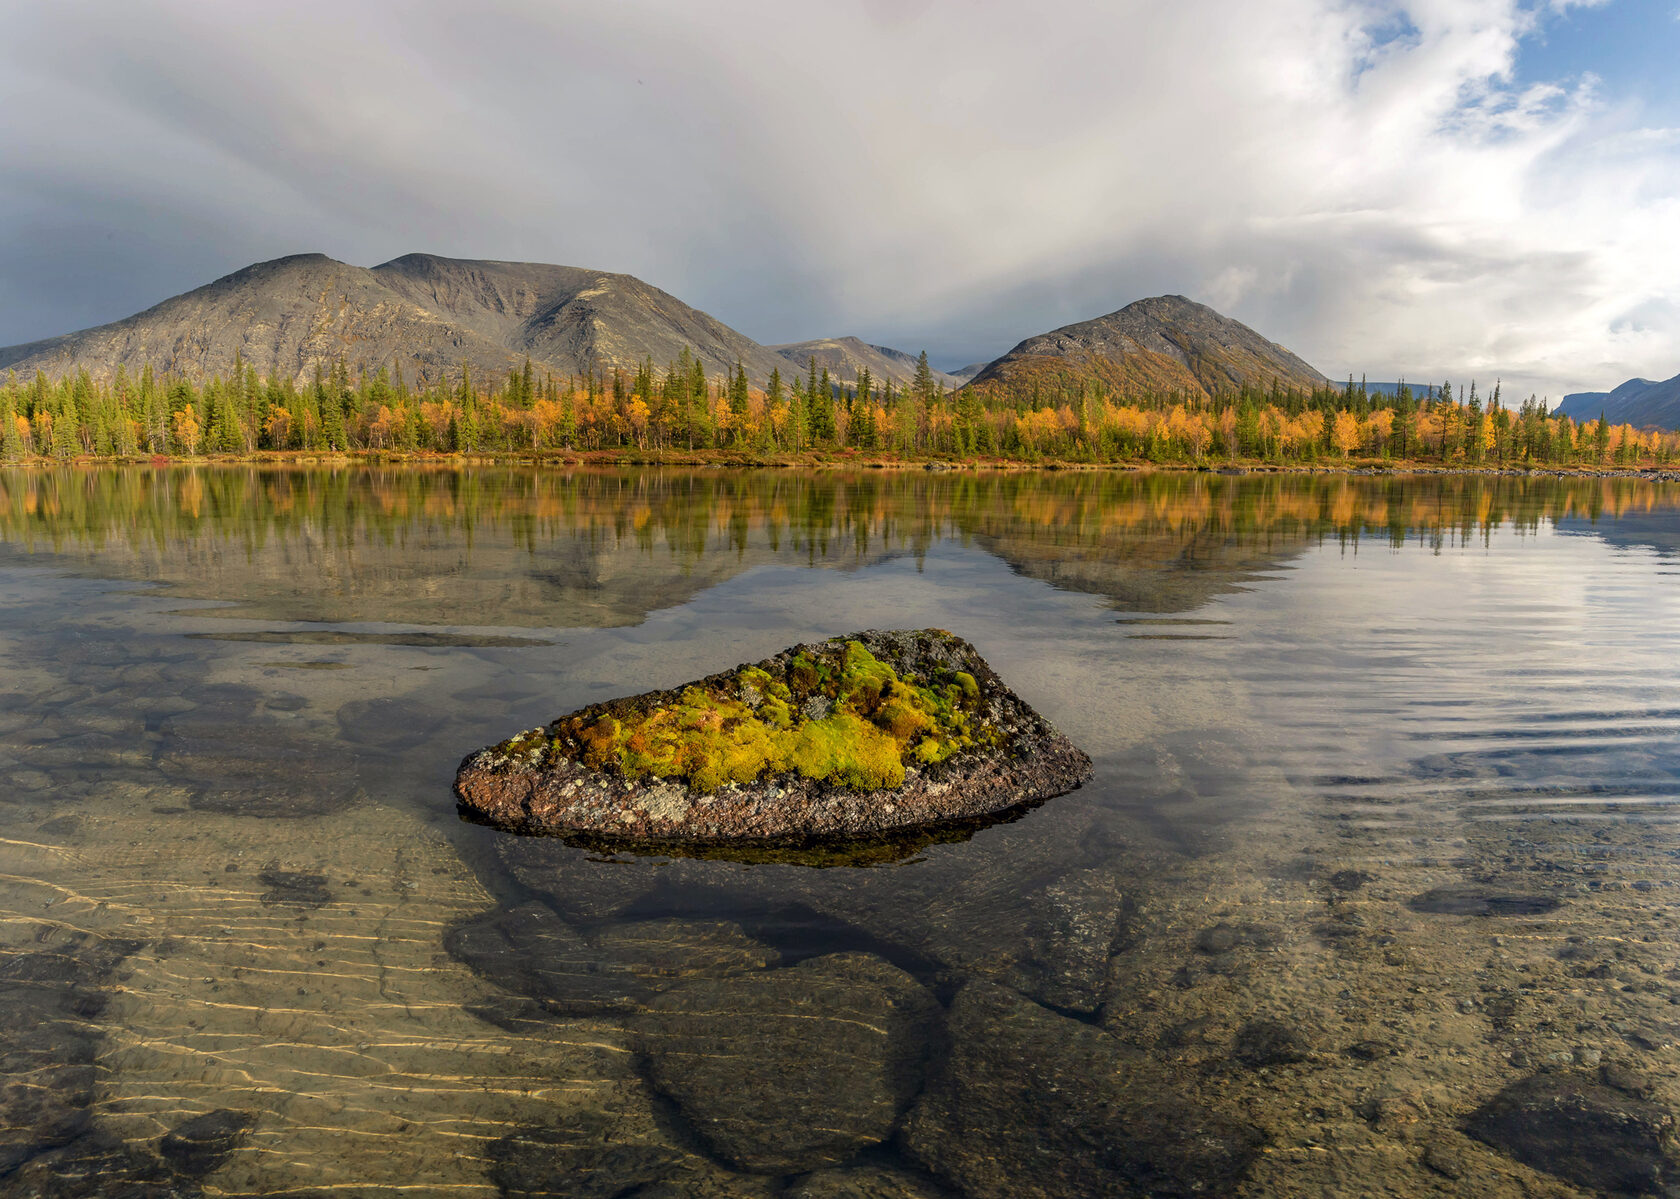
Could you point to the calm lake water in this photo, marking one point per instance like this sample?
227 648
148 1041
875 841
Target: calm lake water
1373 892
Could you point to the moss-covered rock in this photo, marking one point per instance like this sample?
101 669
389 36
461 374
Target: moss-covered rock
858 735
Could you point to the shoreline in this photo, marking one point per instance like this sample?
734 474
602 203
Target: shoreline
733 460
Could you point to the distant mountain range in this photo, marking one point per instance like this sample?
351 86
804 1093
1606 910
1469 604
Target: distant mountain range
844 357
1638 402
427 316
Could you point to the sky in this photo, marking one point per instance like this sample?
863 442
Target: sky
1433 189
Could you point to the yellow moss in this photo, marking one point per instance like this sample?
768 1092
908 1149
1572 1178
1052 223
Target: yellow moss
755 725
844 749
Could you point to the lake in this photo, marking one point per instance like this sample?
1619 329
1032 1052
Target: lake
1373 891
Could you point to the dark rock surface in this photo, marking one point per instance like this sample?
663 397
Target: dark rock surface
793 1069
293 888
1579 1129
235 764
1481 899
581 1159
551 792
200 1144
1269 1043
50 994
531 951
1026 1103
865 1182
99 1165
1076 924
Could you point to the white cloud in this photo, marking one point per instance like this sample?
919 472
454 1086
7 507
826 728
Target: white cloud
1362 180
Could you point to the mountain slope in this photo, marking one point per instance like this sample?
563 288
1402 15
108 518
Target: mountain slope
1638 402
282 317
423 314
1162 344
845 356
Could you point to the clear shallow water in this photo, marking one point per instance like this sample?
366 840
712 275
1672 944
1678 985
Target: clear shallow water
1382 826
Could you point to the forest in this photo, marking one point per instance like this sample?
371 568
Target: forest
681 408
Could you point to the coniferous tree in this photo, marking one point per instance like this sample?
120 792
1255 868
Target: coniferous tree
11 441
820 398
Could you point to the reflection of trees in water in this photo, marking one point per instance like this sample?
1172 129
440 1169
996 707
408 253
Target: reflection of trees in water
578 527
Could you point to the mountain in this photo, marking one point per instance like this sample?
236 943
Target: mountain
965 373
1638 402
845 356
424 314
1162 344
427 315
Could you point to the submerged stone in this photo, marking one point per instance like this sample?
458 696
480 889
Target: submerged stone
1027 1103
579 1157
1475 899
857 736
1579 1129
620 968
864 1182
201 1143
791 1069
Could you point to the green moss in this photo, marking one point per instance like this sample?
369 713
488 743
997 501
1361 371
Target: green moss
840 715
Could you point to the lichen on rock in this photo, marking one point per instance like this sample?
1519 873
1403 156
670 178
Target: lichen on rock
873 732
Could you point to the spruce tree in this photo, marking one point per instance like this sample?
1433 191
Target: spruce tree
738 402
922 384
11 441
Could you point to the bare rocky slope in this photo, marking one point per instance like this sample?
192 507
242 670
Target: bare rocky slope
428 316
421 313
1162 344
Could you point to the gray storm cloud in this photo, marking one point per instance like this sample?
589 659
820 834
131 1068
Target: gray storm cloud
1364 182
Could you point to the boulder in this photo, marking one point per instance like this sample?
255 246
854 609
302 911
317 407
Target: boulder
855 737
200 1144
1577 1128
864 1182
1029 1104
531 951
793 1069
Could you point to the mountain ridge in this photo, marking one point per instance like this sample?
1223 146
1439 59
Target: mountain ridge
1637 402
429 316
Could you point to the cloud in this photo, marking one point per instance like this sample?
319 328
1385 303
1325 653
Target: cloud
1363 180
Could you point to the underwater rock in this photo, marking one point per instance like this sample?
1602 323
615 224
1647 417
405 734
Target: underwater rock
1028 1104
791 1069
293 888
531 951
1577 1128
578 1157
852 737
1269 1043
235 764
202 1143
1077 923
98 1165
864 1182
1476 899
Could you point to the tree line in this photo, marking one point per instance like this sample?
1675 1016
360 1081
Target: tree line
681 407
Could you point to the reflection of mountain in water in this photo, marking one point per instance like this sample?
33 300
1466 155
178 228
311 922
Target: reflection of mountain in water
604 548
1657 530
